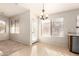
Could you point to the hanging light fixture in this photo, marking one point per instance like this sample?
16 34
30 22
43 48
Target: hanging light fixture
43 15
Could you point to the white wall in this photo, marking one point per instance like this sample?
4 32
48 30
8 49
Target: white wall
5 36
24 25
69 26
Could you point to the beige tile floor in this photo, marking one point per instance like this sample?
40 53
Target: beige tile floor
13 48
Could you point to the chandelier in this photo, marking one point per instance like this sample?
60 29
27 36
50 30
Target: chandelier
43 15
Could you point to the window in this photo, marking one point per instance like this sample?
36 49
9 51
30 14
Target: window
54 27
2 26
17 26
77 26
45 26
14 28
57 27
34 28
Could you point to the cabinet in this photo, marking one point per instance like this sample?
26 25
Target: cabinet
73 41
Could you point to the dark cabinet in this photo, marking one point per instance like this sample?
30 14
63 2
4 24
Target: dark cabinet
74 43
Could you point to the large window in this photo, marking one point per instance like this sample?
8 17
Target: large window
45 26
53 27
77 26
14 28
2 26
57 27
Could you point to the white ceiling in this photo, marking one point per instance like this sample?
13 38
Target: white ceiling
35 8
11 9
50 7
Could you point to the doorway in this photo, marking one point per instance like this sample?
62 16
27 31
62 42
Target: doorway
34 30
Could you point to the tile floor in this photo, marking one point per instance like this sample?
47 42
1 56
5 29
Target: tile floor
13 48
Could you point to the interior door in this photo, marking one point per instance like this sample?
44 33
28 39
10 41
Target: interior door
34 30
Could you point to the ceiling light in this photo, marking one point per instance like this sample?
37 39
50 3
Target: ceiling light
43 15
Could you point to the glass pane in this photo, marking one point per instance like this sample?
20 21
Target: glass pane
77 20
14 28
17 30
34 30
2 26
46 28
77 29
57 27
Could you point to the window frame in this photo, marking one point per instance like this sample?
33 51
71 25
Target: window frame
51 34
4 27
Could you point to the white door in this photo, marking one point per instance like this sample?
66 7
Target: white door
34 30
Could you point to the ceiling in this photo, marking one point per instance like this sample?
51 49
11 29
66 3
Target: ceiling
50 7
10 9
